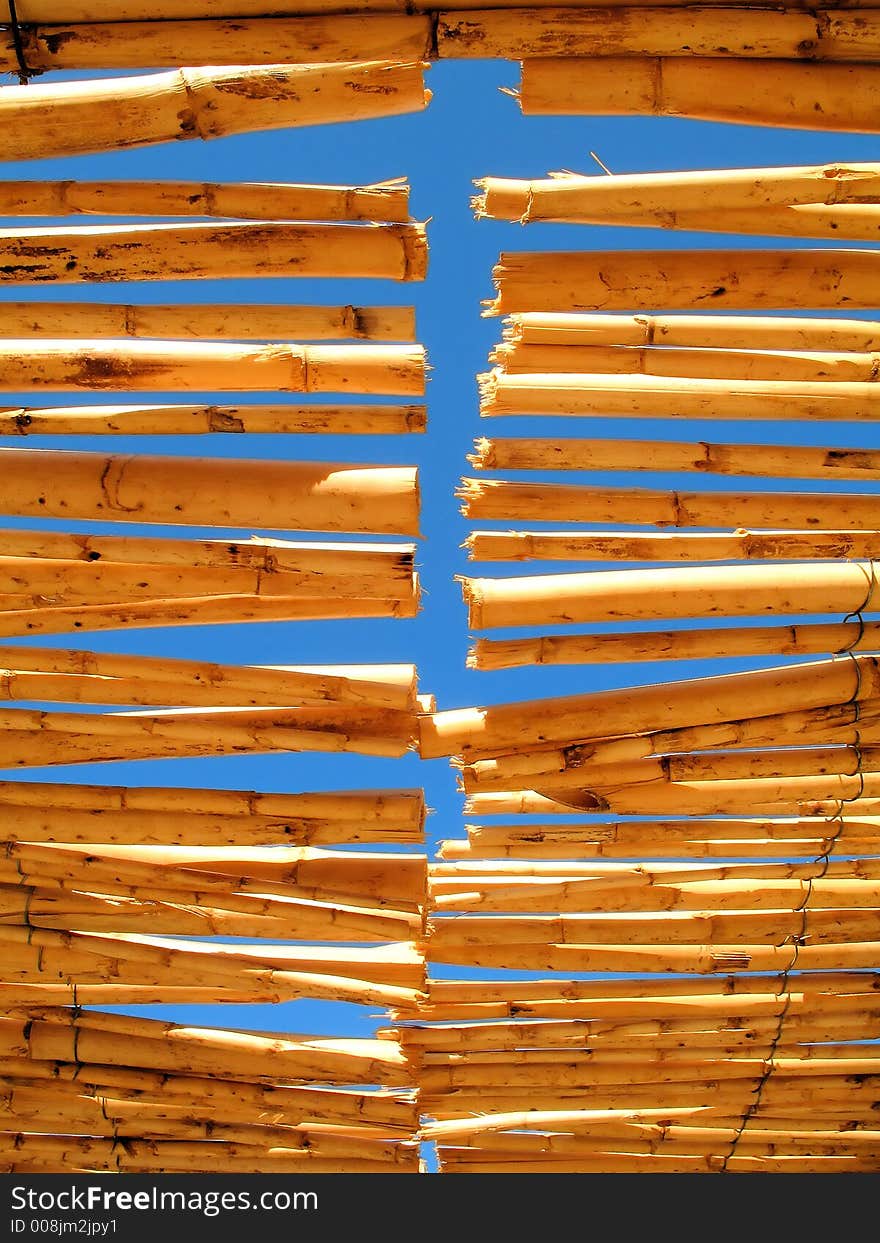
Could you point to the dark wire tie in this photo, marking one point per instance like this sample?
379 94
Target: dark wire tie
24 73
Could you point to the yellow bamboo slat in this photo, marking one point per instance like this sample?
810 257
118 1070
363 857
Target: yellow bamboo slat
687 546
790 93
335 420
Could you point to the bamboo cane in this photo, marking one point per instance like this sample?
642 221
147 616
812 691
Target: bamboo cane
207 102
515 34
144 366
674 397
233 322
237 250
504 500
684 279
771 92
207 491
719 332
739 545
760 461
196 683
251 41
384 201
807 202
691 591
54 11
193 420
843 829
518 726
767 364
721 644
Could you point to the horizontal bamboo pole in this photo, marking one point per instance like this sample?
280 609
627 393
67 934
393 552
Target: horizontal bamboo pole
741 545
546 846
147 366
718 332
198 611
223 321
508 727
759 461
211 41
506 500
684 279
782 796
385 201
687 592
54 11
194 420
807 202
844 829
209 102
190 683
523 33
308 496
674 397
726 643
700 363
787 92
189 251
630 1163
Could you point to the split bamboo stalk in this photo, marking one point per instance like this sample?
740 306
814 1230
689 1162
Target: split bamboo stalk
211 491
785 92
719 332
190 683
843 829
691 591
503 728
760 461
263 41
818 201
332 420
208 102
641 31
504 500
684 279
701 363
33 738
783 796
674 397
726 643
55 11
188 251
145 366
225 321
384 201
544 845
630 1163
738 545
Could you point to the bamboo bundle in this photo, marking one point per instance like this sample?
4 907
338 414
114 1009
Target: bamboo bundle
701 363
100 677
207 102
385 201
116 815
310 496
237 250
385 974
504 500
808 201
759 461
643 31
785 92
33 738
674 397
684 280
504 728
738 545
719 644
54 582
194 420
217 321
718 332
145 366
690 591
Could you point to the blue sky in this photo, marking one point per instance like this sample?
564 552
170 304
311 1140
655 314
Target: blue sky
469 130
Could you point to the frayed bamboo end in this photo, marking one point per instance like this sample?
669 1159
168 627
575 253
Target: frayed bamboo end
472 660
415 252
469 492
487 387
484 457
472 594
478 201
512 329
